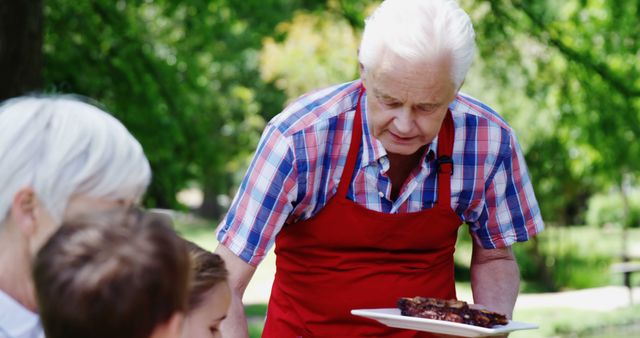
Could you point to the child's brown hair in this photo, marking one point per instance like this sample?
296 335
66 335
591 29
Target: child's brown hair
117 274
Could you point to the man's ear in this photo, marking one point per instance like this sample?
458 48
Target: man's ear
363 75
23 210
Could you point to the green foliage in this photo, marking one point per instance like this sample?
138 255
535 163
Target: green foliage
199 231
607 210
576 257
196 81
561 258
255 317
255 329
182 76
318 51
562 190
569 64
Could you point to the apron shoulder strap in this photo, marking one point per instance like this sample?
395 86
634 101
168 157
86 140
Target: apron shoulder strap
354 147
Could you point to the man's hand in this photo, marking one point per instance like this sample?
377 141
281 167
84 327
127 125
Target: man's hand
240 273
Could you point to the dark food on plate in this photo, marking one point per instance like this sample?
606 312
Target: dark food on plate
450 310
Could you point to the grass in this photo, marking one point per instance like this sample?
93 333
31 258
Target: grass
255 317
199 231
567 322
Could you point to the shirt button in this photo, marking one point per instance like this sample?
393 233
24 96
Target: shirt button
381 194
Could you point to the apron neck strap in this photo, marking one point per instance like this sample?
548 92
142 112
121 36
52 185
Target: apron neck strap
444 162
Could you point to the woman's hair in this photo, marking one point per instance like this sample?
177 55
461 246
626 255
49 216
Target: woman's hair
419 30
208 271
60 147
111 274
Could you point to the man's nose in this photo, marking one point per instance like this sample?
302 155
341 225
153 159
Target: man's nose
403 120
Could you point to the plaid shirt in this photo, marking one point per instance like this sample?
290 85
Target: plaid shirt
303 150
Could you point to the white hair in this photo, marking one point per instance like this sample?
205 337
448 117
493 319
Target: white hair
419 30
61 147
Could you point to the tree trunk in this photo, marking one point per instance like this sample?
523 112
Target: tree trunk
216 182
210 207
21 36
546 275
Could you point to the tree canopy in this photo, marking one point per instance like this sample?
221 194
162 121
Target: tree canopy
196 81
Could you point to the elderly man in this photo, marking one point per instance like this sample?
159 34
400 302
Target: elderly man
362 186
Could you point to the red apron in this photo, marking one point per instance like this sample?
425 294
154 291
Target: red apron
349 257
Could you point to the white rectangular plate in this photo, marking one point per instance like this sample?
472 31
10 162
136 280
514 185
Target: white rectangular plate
392 317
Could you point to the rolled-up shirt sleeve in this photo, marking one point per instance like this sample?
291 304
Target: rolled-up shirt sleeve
510 213
263 201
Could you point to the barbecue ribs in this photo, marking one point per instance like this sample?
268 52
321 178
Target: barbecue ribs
449 310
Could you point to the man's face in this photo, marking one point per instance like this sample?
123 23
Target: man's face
406 103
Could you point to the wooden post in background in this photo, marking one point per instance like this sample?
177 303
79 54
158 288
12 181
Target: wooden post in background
21 36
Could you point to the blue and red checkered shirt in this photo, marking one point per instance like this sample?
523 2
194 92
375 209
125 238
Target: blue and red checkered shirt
302 153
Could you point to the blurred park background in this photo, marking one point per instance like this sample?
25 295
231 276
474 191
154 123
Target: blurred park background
196 80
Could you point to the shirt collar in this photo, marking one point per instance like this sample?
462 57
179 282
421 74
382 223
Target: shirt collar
373 149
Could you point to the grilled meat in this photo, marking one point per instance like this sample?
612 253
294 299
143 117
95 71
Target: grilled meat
450 310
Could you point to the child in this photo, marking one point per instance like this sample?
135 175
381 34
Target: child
119 274
209 297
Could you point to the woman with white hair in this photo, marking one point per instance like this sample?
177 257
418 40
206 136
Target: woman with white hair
362 187
59 158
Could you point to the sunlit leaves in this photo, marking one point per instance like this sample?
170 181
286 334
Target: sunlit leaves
581 65
319 50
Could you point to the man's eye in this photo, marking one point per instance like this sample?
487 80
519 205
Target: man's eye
389 103
426 107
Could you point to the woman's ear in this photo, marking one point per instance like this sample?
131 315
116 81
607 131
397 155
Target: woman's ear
23 210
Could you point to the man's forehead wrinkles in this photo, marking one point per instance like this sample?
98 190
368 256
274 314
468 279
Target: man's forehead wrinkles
381 94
